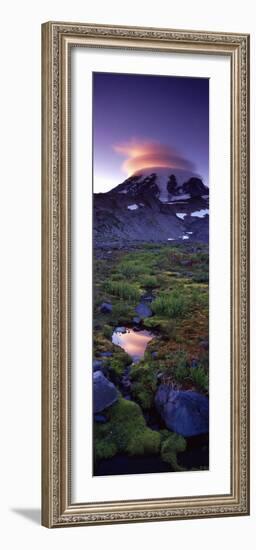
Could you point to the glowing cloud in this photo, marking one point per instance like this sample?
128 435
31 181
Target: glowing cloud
147 154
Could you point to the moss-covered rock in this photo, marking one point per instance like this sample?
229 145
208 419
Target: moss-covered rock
172 444
124 432
144 384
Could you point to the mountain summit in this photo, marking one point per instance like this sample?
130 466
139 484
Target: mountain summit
153 205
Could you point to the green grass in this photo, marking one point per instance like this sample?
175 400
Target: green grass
170 305
177 276
200 378
123 290
121 313
130 269
148 282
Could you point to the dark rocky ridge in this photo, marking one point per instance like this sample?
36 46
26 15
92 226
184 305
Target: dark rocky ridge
153 206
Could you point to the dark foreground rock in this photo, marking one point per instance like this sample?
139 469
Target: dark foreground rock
104 392
184 412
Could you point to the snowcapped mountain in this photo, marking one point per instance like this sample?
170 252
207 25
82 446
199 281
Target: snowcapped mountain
169 182
154 204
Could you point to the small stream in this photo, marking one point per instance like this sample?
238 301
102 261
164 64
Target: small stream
134 341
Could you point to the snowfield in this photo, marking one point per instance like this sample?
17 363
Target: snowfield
200 213
132 207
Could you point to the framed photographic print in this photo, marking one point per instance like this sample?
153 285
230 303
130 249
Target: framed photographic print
145 273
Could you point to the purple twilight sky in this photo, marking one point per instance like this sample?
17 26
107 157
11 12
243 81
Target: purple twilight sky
141 121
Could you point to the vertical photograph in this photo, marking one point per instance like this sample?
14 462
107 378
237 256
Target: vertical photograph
151 190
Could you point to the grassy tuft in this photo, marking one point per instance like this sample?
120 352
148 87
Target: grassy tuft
123 290
170 305
200 378
148 282
144 385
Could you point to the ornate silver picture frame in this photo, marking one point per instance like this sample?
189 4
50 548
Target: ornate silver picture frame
58 41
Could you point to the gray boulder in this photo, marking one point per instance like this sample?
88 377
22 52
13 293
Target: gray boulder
97 365
106 307
143 310
104 392
184 412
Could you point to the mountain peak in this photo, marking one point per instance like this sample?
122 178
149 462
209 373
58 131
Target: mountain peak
164 183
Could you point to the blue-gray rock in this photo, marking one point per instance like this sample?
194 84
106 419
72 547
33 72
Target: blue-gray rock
136 320
154 354
106 354
120 329
104 392
143 310
106 307
96 365
184 412
100 418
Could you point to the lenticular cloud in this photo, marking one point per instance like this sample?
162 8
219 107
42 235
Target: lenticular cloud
146 154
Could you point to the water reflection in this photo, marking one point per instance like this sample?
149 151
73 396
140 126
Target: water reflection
133 342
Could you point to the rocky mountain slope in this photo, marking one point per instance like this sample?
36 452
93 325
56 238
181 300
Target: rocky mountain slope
153 205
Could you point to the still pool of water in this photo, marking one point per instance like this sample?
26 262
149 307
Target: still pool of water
133 342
